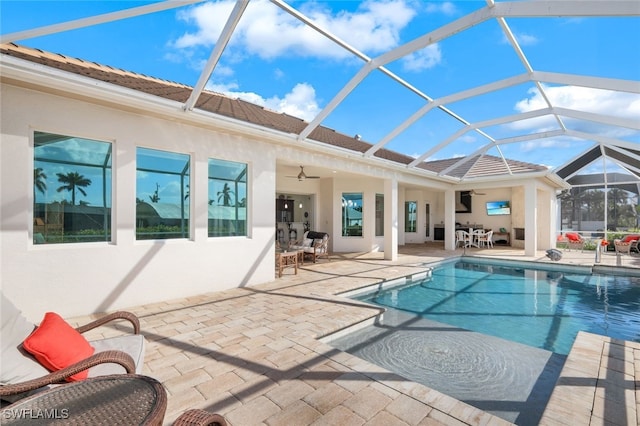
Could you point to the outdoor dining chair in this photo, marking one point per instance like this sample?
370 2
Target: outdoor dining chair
486 239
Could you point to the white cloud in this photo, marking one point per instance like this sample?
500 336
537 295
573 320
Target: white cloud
522 39
526 39
422 59
605 102
446 8
268 32
300 102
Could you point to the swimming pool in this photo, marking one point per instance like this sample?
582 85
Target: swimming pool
492 334
540 308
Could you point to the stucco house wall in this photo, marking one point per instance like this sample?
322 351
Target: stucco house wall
76 279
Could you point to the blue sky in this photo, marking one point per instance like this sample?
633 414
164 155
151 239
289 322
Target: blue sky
274 61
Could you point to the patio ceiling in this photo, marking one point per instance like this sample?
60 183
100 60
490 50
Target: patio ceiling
613 138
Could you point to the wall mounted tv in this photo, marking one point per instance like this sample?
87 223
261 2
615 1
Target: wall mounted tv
497 208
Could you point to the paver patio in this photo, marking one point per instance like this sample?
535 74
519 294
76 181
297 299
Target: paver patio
253 354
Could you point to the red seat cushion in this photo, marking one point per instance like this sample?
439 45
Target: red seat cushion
573 237
56 345
630 238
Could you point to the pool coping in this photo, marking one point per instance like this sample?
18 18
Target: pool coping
600 380
599 384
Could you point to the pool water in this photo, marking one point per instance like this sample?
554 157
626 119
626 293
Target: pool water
540 308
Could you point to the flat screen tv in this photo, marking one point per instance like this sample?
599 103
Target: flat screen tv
497 208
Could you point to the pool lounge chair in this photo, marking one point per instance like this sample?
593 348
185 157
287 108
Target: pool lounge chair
21 373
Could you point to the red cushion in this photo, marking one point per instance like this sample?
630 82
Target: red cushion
56 345
630 238
572 236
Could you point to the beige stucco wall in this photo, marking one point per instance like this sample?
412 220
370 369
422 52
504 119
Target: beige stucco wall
75 279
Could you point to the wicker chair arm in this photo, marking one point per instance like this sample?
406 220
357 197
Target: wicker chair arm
200 418
116 357
112 317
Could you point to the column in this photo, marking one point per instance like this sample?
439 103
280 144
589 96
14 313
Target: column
530 217
391 219
449 219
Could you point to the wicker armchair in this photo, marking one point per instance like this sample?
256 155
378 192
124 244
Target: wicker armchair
21 373
313 244
622 247
575 241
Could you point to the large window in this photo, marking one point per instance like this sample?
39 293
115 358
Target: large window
227 198
162 194
71 189
352 214
379 215
410 216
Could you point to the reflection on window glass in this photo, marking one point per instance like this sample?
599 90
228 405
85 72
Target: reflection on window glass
379 215
227 198
410 216
352 214
71 189
162 194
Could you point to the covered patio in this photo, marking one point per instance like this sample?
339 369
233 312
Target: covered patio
254 354
178 225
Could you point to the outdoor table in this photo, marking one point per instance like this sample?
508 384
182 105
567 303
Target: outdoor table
287 259
123 399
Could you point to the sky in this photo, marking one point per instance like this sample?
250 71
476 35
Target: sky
275 61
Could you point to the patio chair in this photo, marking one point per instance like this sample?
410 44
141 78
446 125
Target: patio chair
313 244
622 247
633 240
575 241
486 239
55 343
462 237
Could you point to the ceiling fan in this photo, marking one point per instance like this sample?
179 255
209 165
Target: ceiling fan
302 175
474 192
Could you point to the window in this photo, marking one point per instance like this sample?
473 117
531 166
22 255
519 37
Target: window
352 215
227 198
410 216
71 189
162 194
379 215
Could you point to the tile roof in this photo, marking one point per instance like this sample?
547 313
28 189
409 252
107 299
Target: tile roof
479 166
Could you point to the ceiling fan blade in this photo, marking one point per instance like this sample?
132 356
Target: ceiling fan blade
302 175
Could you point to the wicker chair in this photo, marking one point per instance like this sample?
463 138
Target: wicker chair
622 247
575 241
314 245
22 373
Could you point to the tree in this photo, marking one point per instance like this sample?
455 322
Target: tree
73 181
39 181
225 195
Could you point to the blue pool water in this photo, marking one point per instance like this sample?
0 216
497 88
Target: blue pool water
540 308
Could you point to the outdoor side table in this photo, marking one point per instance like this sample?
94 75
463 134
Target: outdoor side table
287 259
123 399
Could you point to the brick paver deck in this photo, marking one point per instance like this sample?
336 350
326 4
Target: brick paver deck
253 354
